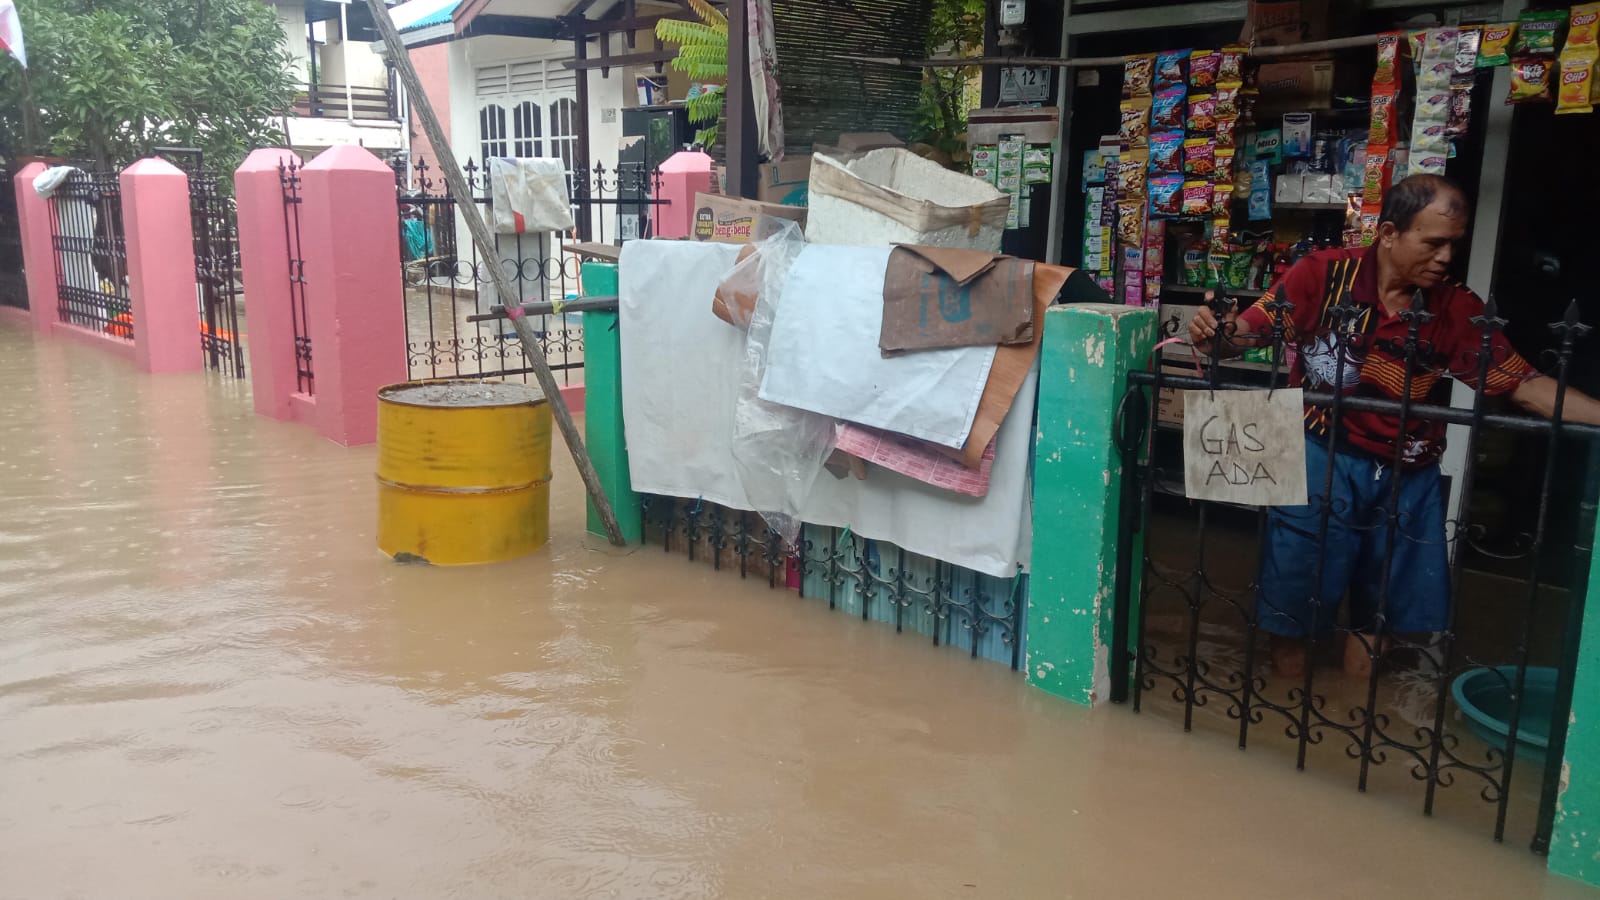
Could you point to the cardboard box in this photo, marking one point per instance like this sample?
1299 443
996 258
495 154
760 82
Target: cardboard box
785 182
1169 403
731 220
1298 84
856 144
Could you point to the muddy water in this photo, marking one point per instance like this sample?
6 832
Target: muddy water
212 685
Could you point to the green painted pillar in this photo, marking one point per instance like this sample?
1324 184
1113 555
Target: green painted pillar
1087 352
1575 844
602 405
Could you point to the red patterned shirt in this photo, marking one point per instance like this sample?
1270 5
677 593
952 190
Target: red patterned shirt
1448 345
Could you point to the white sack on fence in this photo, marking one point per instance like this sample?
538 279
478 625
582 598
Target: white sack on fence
680 385
825 357
529 195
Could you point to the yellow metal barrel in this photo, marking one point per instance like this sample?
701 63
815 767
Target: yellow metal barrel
463 471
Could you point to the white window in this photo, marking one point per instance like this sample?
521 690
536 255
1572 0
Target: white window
528 109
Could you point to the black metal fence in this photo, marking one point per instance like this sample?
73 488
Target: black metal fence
1412 711
289 178
13 286
91 254
446 281
214 222
877 581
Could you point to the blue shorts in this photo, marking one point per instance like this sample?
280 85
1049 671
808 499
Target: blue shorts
1419 579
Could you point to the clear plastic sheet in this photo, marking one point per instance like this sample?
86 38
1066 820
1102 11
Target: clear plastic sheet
778 451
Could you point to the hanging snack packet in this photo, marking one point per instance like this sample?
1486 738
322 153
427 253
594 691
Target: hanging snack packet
1221 198
1583 30
1166 195
1230 68
1494 49
1297 134
1460 120
1167 109
1199 157
1155 248
1196 198
1224 164
1135 128
1166 153
1467 44
1203 68
1131 176
1537 33
1130 223
1202 114
1384 113
1169 69
1530 81
1137 75
1376 182
1227 131
1227 103
1388 58
1573 91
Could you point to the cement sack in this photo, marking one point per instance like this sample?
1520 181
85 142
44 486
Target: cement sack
893 196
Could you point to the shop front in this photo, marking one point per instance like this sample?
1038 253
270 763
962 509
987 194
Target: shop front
1219 147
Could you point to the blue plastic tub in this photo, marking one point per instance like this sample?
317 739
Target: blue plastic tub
1485 699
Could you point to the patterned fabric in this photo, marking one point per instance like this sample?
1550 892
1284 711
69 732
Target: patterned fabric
1374 364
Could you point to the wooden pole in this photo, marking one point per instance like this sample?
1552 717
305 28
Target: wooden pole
502 281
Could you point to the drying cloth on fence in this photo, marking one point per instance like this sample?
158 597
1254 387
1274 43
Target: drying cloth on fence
680 383
529 195
824 355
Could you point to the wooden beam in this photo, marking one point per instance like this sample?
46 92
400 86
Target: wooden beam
596 27
513 26
740 138
627 59
481 236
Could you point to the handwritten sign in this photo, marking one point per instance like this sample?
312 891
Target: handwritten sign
1245 447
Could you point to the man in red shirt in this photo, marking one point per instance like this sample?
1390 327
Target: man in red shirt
1423 218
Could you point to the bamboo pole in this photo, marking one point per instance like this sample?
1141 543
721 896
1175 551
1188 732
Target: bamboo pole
502 281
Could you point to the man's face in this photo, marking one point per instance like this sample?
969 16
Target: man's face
1421 254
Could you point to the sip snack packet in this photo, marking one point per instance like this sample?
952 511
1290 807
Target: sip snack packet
1169 68
1196 198
1382 129
1536 33
1494 49
1202 114
1203 67
1135 128
1530 80
1137 75
1166 153
1388 58
1583 30
1377 176
1230 69
1199 157
1575 84
1166 195
1167 110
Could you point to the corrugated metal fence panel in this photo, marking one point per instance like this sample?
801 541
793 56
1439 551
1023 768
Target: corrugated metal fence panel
824 95
847 585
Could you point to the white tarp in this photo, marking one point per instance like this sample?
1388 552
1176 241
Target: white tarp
680 383
824 355
529 195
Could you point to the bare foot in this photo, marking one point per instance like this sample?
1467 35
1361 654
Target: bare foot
1358 657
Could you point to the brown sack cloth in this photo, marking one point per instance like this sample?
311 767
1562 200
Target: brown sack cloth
936 297
1011 366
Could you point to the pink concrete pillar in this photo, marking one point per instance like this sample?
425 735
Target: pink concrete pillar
38 258
350 239
683 175
264 254
161 283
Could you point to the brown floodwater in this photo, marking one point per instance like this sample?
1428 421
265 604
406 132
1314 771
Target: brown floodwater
212 684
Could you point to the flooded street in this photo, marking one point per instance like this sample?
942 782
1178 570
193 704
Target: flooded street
212 684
